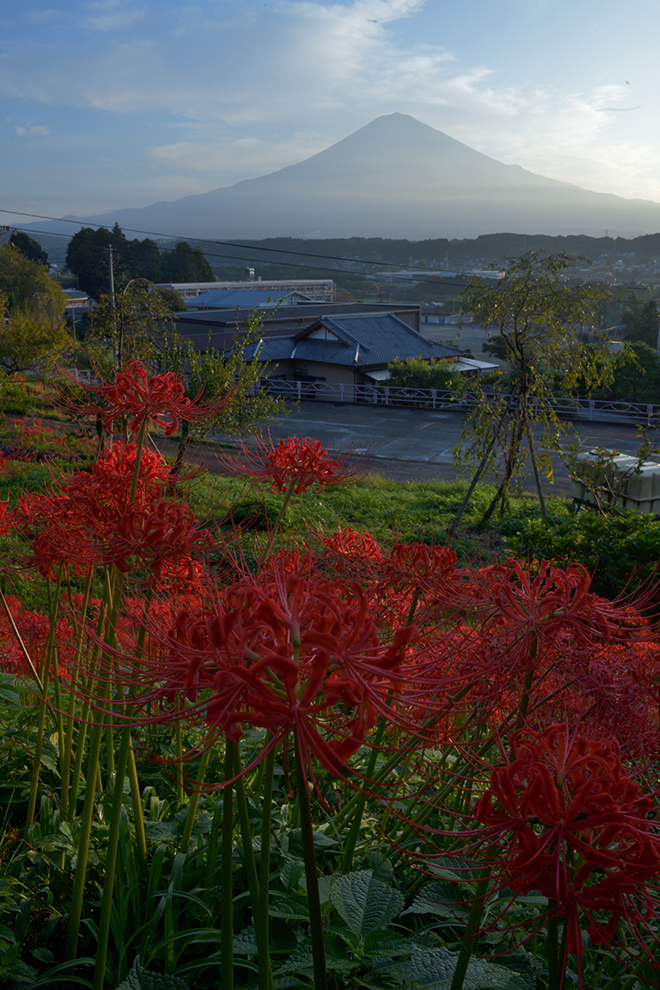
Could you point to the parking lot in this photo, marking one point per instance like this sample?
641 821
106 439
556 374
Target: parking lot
413 444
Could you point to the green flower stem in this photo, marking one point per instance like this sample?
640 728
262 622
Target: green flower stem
271 539
469 943
71 710
262 917
313 898
552 947
227 876
194 800
49 650
246 831
180 792
82 735
138 817
111 860
263 951
38 747
141 438
347 862
96 738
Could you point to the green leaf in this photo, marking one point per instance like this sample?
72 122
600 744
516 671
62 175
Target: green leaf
141 979
443 900
301 959
322 843
435 970
291 906
365 903
245 943
7 690
388 945
290 874
161 831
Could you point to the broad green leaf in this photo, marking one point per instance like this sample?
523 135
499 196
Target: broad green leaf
301 959
290 874
322 843
289 906
142 979
245 943
161 831
444 900
365 903
435 970
8 691
388 945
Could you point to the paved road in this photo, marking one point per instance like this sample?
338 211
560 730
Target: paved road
416 444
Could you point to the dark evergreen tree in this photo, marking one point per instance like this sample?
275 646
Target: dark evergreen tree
186 264
28 247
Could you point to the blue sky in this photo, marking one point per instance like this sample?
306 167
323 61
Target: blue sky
120 103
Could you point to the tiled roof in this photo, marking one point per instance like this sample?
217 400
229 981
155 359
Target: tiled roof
231 298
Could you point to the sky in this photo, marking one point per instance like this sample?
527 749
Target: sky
121 103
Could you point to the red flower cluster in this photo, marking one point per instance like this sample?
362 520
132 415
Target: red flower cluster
90 520
575 827
35 631
281 652
300 463
160 399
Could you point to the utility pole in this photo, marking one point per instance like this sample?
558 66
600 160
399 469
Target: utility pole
111 273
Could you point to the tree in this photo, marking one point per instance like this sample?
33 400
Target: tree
185 264
32 330
418 373
635 378
28 247
32 341
87 256
214 374
640 321
27 286
127 329
541 323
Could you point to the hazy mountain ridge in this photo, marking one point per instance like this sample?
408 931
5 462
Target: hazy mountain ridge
394 178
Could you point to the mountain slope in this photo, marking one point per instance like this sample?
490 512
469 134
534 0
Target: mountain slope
396 177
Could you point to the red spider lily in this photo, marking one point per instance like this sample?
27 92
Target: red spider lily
350 552
162 536
281 653
413 570
35 631
547 605
79 524
5 520
160 399
295 462
574 826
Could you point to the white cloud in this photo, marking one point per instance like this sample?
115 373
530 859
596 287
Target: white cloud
249 88
113 15
40 129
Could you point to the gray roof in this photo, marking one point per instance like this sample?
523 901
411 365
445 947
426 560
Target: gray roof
220 298
357 341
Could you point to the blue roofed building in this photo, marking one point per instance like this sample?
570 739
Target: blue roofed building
245 299
347 350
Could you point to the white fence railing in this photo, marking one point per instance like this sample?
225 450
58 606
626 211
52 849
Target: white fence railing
388 395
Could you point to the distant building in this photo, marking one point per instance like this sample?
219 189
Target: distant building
313 288
78 302
245 298
347 349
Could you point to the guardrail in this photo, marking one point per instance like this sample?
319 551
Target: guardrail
391 396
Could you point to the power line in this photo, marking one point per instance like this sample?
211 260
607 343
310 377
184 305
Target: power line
246 247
